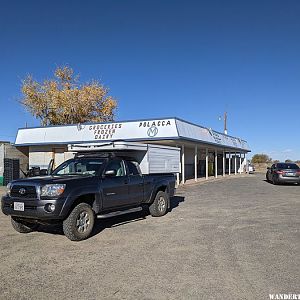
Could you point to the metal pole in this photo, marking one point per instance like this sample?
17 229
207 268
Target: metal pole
229 163
206 163
224 161
182 165
234 163
178 175
240 163
225 122
216 163
196 160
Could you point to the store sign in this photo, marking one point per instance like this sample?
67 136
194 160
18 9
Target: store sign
104 131
98 132
131 130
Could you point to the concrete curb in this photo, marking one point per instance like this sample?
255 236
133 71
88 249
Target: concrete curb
192 182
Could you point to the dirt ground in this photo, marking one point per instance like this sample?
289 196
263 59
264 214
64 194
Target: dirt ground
229 239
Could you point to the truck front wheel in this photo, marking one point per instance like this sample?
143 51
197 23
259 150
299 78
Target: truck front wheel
79 224
159 206
21 226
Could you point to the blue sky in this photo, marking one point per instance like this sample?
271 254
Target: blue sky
189 59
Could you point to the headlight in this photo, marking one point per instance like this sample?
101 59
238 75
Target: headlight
52 190
8 189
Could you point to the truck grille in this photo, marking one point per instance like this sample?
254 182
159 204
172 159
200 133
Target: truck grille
23 191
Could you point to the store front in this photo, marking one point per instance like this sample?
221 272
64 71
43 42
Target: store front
204 152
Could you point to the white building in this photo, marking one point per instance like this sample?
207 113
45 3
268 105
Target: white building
204 152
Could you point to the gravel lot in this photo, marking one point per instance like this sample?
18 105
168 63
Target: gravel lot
229 239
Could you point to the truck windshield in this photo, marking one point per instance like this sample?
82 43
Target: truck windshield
80 167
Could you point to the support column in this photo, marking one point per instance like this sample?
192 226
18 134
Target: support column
182 165
240 163
178 174
195 162
206 163
224 163
216 164
229 163
234 163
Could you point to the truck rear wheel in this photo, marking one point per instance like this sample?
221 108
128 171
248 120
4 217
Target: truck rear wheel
79 224
21 226
159 206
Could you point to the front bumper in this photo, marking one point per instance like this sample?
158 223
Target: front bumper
33 208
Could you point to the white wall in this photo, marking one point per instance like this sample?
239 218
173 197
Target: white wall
40 156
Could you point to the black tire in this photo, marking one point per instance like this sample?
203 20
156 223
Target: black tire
267 178
21 226
79 224
159 207
275 181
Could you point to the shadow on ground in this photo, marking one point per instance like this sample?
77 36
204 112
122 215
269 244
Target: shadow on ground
282 184
103 224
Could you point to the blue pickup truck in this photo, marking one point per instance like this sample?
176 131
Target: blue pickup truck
85 188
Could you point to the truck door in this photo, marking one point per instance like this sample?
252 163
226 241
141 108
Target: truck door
135 182
115 188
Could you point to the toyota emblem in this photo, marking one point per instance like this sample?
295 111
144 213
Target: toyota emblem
22 191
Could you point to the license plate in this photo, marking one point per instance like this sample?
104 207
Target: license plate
19 206
290 174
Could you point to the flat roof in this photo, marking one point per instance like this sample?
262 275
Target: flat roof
132 130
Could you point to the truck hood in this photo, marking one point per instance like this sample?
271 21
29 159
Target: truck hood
42 180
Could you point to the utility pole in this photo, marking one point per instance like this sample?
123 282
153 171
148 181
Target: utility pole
225 123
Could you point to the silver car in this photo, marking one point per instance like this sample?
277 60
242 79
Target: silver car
283 173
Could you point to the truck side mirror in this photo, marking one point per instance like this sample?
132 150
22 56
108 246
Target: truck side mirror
268 168
110 173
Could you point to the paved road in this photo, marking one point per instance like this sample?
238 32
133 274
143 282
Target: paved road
231 239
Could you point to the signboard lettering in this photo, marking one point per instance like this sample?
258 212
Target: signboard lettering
105 131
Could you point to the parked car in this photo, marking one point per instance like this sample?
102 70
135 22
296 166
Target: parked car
283 173
251 169
84 188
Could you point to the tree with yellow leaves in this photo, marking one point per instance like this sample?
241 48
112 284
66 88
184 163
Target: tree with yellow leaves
64 100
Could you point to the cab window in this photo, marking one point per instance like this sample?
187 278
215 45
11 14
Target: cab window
133 168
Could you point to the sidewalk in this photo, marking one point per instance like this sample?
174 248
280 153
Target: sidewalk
203 180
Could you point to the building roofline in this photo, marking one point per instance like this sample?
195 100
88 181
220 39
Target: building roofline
134 120
191 123
93 123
